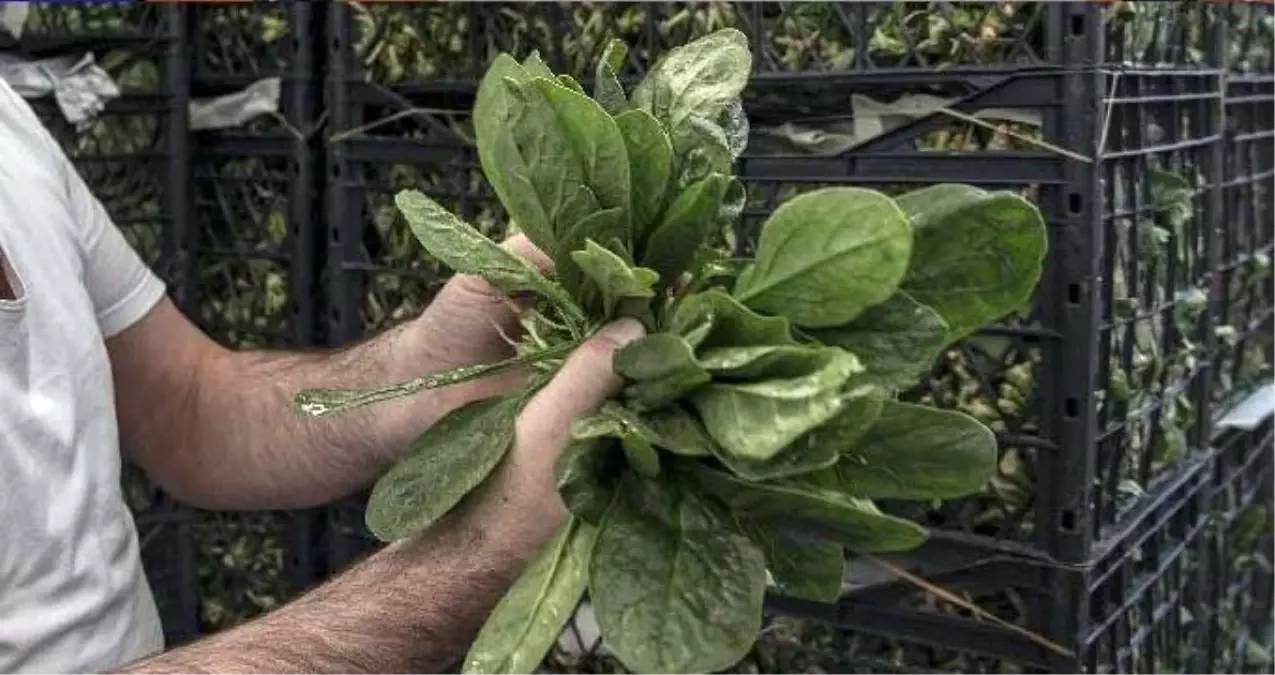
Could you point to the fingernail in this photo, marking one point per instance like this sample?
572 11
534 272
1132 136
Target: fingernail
622 331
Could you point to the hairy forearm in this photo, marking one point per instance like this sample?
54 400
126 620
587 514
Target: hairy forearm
413 607
226 433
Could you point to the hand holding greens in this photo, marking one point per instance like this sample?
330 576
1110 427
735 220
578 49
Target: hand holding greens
761 406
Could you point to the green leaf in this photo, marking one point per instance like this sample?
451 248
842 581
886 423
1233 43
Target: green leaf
676 430
527 621
826 255
526 157
613 421
800 567
587 471
443 464
829 515
535 66
321 402
606 84
614 277
977 255
820 370
702 77
662 368
464 249
918 452
761 361
898 340
650 163
734 123
687 224
754 426
674 586
819 448
596 140
733 325
605 226
570 83
701 149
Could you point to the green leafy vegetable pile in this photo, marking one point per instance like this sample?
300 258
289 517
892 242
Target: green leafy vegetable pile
760 414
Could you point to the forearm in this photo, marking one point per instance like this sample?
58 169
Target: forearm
228 435
413 607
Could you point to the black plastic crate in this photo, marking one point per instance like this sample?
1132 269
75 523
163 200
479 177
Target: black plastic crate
57 27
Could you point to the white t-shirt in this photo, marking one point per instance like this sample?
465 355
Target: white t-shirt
73 597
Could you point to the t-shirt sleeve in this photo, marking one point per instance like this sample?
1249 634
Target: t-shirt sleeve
122 287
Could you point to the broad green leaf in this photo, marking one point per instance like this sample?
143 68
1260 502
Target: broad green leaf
977 255
527 621
615 278
596 140
321 402
587 471
700 149
526 157
570 83
650 163
702 77
819 448
613 421
676 430
856 523
443 464
917 452
675 587
755 426
826 255
604 226
663 368
734 122
606 83
733 325
464 249
687 224
762 361
800 567
536 67
898 340
824 369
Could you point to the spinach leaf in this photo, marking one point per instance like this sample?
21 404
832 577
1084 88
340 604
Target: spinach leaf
527 621
700 78
650 163
605 226
607 90
917 452
687 224
755 426
826 255
801 567
819 448
570 83
535 66
733 325
897 340
661 366
977 255
526 157
464 249
676 430
761 361
587 472
444 464
676 588
700 149
820 370
614 277
596 140
827 514
734 123
612 420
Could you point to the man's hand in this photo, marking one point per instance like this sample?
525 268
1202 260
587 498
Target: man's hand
417 605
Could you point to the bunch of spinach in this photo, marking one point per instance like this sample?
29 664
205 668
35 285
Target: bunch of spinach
760 414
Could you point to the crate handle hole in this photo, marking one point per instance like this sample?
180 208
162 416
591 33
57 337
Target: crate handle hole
1075 202
1074 292
1067 520
1071 408
1078 24
336 235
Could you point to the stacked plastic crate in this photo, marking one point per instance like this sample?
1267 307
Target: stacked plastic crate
255 216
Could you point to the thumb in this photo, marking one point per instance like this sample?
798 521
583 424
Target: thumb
584 382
